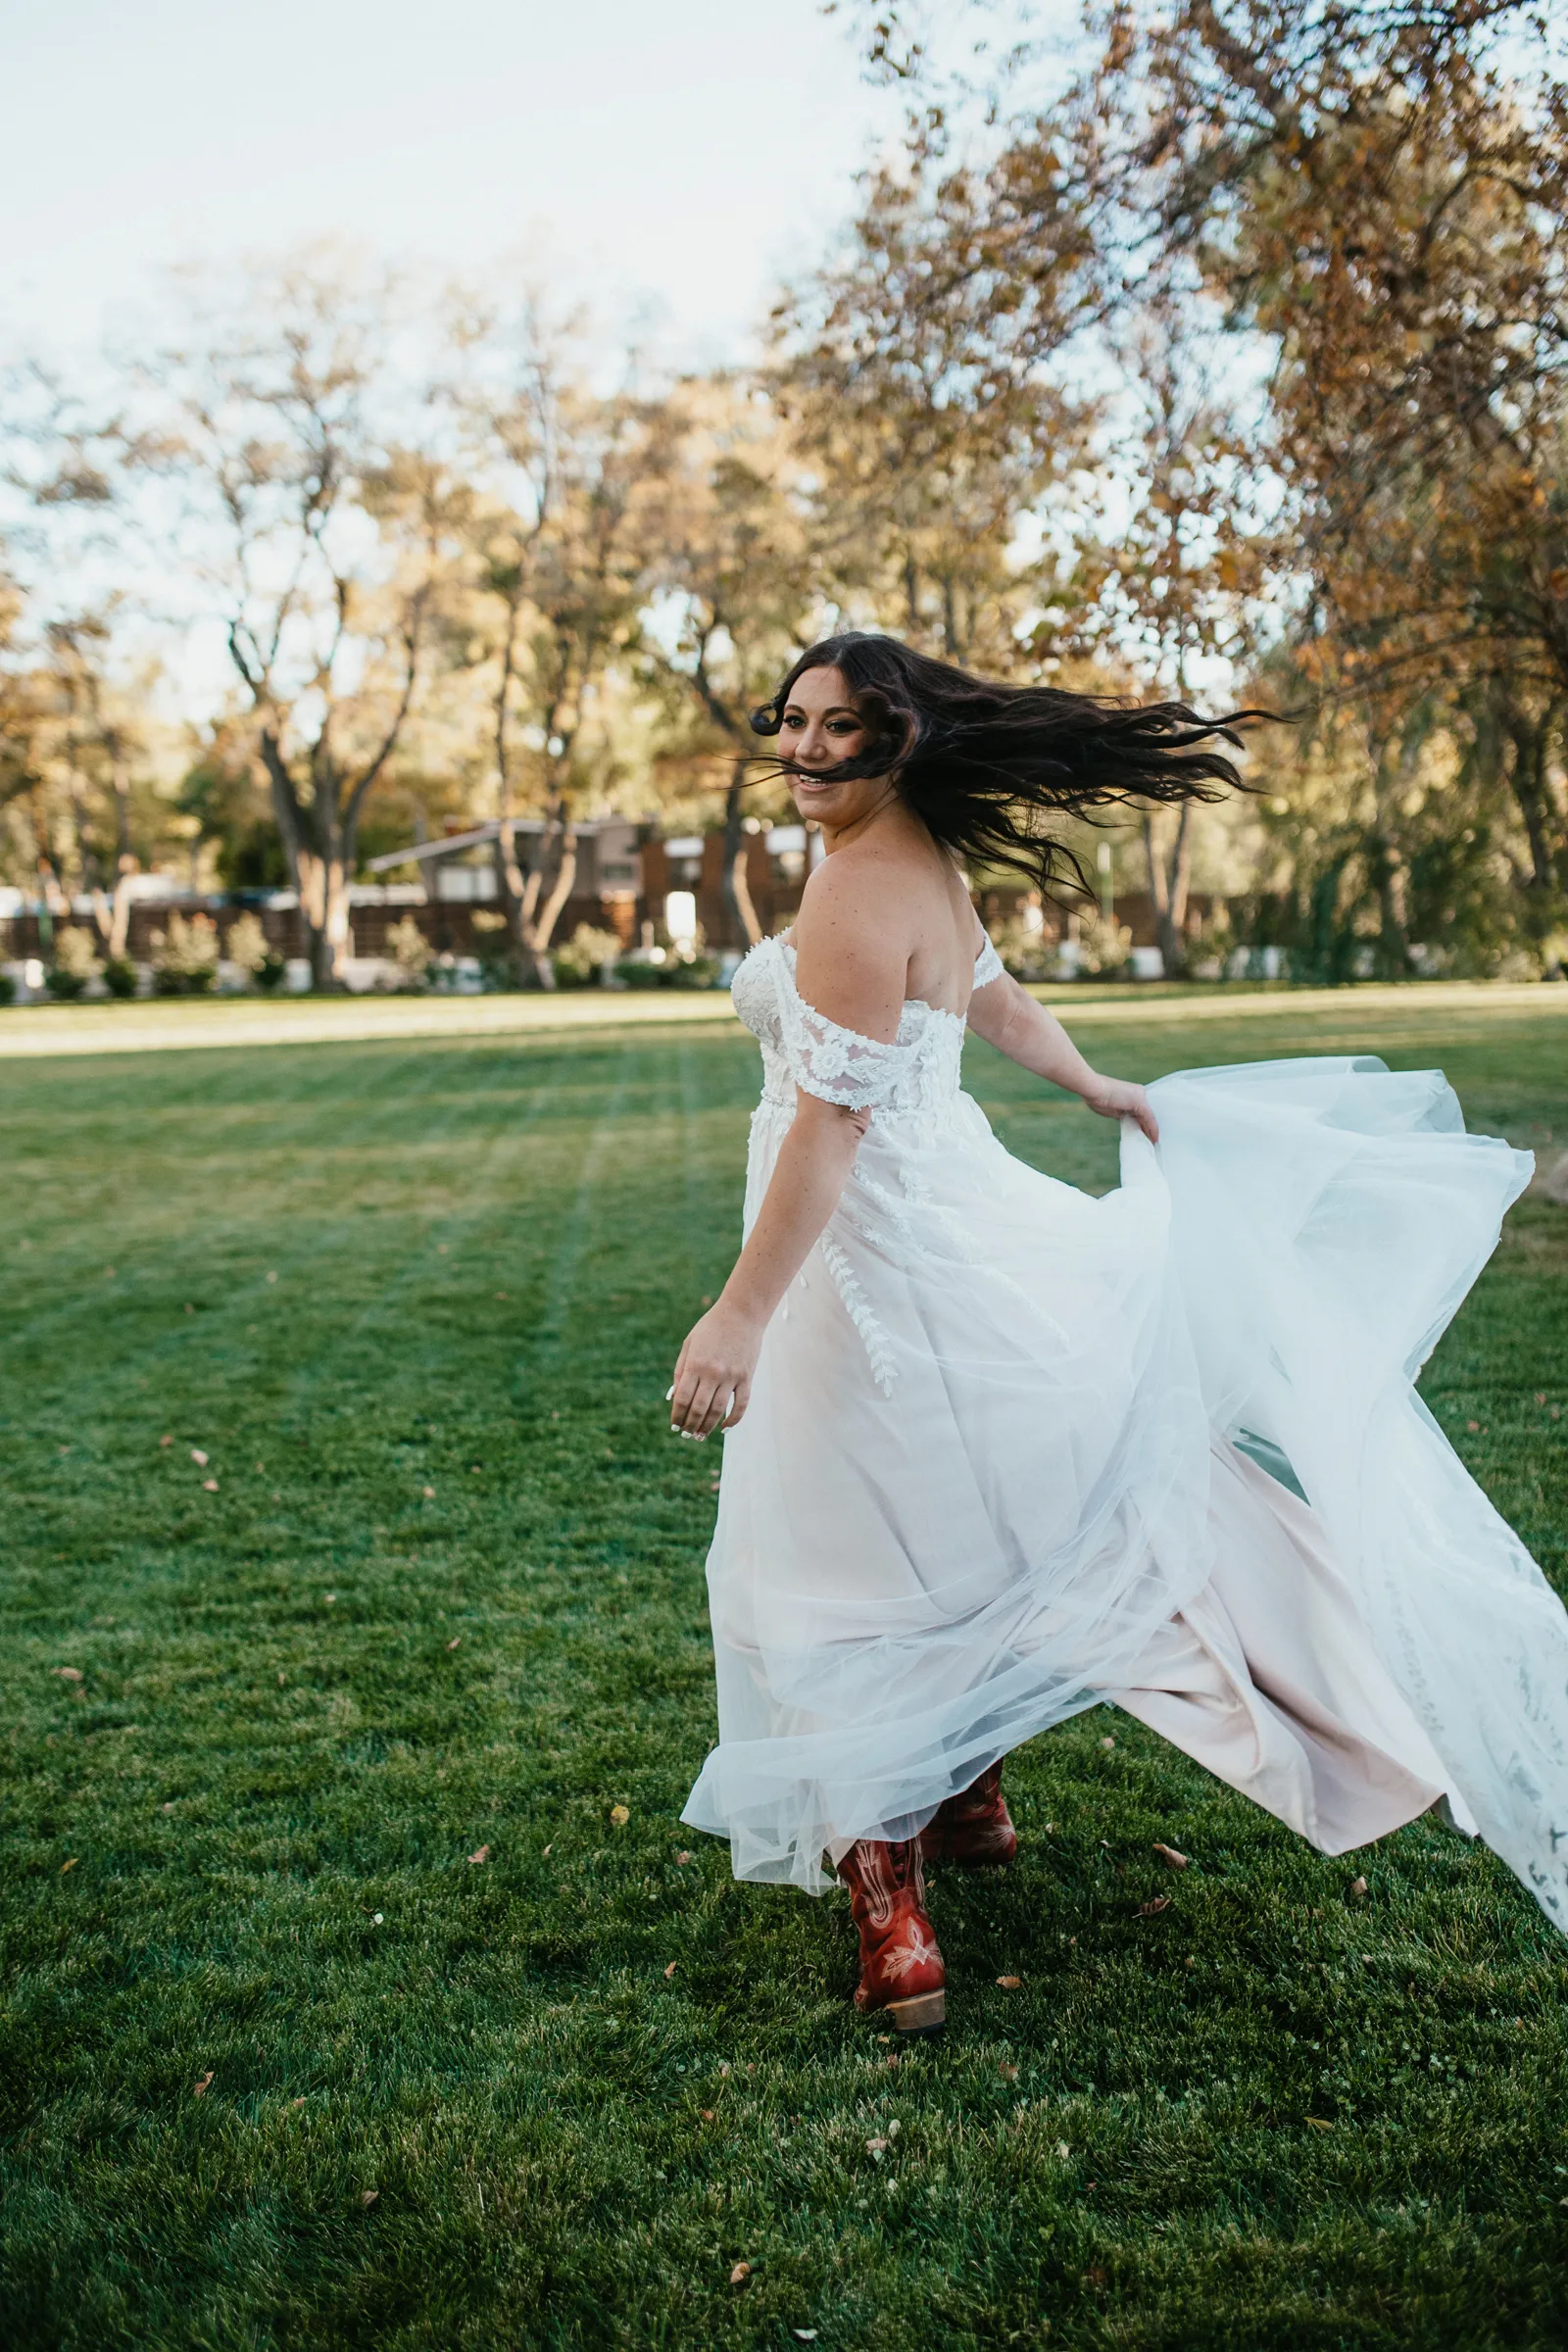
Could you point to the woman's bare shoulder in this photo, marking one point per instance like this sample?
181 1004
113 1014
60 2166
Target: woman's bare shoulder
855 905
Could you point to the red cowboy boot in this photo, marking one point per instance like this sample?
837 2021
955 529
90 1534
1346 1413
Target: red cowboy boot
901 1967
973 1828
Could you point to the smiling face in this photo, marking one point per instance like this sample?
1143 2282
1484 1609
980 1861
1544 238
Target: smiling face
821 727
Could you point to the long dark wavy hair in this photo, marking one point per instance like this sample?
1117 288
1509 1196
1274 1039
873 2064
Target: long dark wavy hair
987 768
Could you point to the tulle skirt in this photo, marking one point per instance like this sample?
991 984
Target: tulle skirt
1012 1450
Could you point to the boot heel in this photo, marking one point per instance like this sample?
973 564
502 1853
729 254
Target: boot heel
922 2012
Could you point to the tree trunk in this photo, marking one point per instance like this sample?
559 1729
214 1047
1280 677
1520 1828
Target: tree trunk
1528 780
1169 885
319 848
737 893
542 930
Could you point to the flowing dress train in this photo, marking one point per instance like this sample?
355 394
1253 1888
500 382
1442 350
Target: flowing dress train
1012 1450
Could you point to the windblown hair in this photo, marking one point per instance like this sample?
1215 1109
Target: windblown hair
986 767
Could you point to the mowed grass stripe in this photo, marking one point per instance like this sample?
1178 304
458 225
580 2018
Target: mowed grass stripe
1266 2114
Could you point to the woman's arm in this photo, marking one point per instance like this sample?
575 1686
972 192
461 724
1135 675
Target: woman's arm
850 964
714 1375
1007 1017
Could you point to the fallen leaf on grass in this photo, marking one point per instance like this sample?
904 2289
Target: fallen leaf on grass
1094 2278
549 1850
281 1678
683 1858
707 2114
69 1863
1108 1744
209 1486
198 1457
367 2197
1355 1893
740 2274
670 1970
1170 1857
271 1278
170 1807
430 1494
1010 1983
66 1674
299 2102
876 2148
1063 2150
198 2090
168 1441
1156 1904
1318 2123
480 1854
1009 2074
453 1643
329 1598
723 2067
620 1815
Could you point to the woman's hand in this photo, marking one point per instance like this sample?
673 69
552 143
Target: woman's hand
714 1372
1119 1098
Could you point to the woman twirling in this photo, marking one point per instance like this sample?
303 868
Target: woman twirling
998 1450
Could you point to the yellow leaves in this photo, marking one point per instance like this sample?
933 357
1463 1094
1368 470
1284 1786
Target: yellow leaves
670 1972
367 2197
1318 2123
69 1863
453 1643
620 1815
1152 1908
1010 1983
1170 1856
481 1854
199 2090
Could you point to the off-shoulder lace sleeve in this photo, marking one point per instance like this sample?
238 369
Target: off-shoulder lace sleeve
988 966
835 1063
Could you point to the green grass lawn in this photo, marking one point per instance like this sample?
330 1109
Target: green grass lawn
342 2008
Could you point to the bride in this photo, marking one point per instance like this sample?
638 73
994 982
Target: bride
997 1450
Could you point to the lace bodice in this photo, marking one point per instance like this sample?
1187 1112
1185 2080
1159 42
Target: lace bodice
802 1048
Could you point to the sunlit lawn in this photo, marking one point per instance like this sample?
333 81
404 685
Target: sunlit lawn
339 2006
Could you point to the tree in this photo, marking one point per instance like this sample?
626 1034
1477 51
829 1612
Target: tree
321 516
1162 576
1380 195
736 575
915 372
560 553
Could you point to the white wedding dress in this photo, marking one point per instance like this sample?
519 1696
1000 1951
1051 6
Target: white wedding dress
1012 1451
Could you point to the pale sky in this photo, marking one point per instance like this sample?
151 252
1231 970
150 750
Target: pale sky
693 151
